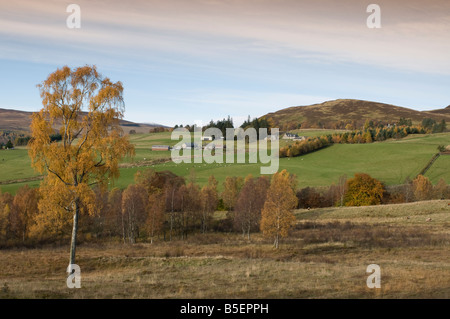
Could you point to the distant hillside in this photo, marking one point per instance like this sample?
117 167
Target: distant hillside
19 121
445 111
339 113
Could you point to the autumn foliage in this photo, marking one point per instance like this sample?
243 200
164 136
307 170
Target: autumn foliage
232 187
422 188
363 190
277 216
84 108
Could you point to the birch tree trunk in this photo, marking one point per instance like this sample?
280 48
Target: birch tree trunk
73 244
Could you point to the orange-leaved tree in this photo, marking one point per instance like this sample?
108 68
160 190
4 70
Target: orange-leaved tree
6 201
277 217
422 188
155 214
84 108
25 208
363 190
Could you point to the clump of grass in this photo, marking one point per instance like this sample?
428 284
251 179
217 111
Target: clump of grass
177 251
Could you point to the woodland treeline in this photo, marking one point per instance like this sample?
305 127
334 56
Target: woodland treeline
164 206
369 134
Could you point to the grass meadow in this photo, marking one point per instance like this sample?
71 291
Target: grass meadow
325 256
391 162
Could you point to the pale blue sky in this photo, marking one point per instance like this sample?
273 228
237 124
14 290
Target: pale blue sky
185 61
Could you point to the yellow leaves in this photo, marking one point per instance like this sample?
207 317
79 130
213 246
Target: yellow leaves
232 187
155 213
422 188
277 217
363 190
25 205
248 178
85 108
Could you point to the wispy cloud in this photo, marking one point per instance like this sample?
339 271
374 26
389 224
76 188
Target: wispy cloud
205 59
214 30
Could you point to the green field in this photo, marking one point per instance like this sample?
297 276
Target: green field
143 145
390 161
440 169
15 164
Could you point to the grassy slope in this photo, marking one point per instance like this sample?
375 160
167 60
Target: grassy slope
325 256
15 164
440 169
390 161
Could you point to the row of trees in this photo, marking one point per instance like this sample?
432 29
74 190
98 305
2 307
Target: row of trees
304 147
364 190
434 127
7 135
7 146
223 124
379 134
368 135
165 206
258 123
159 204
431 125
159 129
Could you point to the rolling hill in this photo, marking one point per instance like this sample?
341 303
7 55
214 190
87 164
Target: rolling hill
445 111
19 121
337 113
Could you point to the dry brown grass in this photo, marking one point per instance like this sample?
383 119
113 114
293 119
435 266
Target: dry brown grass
325 257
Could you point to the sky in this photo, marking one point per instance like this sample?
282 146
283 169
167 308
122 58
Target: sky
190 61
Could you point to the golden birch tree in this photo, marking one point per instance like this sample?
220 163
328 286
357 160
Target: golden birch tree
155 214
277 217
422 188
85 109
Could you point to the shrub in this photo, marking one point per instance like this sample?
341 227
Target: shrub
363 190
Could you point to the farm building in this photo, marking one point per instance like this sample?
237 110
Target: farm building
160 148
295 137
290 136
